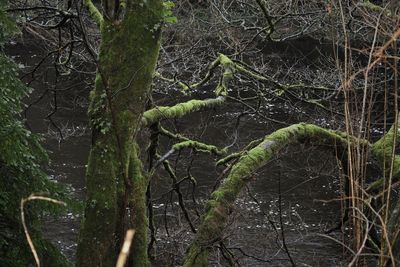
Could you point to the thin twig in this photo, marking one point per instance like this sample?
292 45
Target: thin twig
28 237
124 253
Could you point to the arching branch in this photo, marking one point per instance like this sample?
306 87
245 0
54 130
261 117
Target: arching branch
222 200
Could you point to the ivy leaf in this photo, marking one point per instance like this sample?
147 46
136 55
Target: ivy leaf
171 20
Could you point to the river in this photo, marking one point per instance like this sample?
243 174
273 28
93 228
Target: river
292 192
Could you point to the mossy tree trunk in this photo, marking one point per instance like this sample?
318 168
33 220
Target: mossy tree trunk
116 186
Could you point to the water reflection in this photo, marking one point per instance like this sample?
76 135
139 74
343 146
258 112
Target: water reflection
283 195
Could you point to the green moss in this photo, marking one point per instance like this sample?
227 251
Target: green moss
101 206
221 201
383 148
197 257
200 146
229 70
182 109
139 208
94 12
179 110
127 59
228 158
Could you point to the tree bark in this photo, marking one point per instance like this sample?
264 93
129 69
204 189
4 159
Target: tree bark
116 186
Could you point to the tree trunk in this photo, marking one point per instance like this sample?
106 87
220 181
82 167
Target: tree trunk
116 187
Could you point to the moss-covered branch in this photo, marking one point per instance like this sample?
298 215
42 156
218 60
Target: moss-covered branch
94 12
382 150
230 67
179 110
236 155
221 202
202 147
188 143
376 8
199 146
172 135
185 87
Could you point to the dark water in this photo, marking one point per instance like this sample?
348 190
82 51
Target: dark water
304 177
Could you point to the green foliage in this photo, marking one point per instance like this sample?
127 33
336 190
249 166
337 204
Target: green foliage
7 26
167 14
21 157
